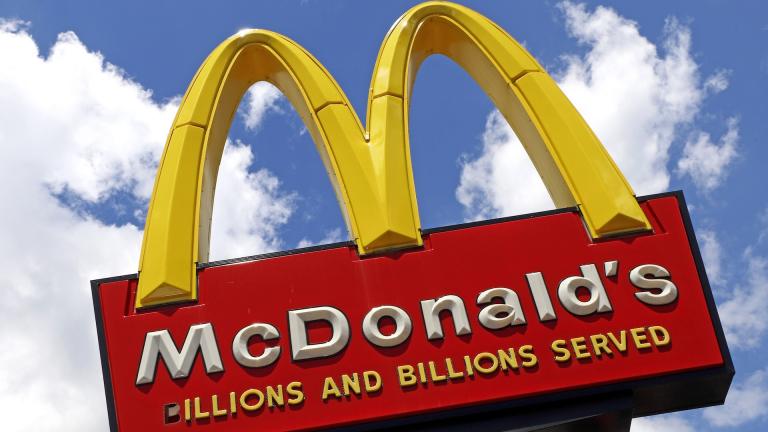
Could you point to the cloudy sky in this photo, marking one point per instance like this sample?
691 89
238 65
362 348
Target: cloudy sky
88 91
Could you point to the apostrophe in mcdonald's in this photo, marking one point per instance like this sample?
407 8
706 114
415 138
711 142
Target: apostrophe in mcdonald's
594 300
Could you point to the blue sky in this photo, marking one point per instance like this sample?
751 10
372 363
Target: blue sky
88 90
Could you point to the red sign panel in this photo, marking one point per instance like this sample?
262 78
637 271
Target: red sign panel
484 317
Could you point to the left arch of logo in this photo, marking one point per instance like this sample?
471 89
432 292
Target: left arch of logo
370 167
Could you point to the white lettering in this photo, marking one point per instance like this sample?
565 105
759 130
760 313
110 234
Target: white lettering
159 344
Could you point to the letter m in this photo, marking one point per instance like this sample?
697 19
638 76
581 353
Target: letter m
200 337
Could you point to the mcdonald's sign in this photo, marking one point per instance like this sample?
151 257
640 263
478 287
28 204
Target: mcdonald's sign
599 306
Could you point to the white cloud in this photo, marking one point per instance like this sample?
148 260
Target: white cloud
747 401
669 422
636 97
70 122
707 162
55 117
502 181
248 209
99 130
711 254
12 25
743 319
717 82
332 236
260 99
743 314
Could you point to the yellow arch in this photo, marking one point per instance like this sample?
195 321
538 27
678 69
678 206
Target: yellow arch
370 168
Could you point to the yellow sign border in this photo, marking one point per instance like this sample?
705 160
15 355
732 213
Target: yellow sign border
369 167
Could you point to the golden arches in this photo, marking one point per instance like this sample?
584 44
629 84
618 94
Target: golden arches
370 168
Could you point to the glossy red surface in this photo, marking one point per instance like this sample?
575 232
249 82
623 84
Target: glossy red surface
463 262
